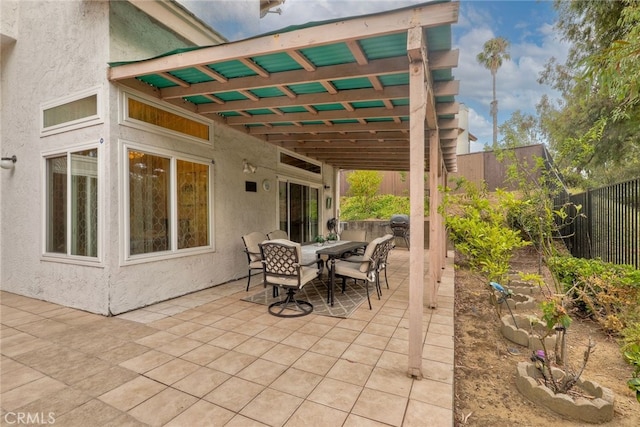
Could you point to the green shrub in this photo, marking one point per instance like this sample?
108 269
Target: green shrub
358 208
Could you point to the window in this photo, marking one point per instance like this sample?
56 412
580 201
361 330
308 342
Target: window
300 164
147 115
72 112
72 203
169 203
298 210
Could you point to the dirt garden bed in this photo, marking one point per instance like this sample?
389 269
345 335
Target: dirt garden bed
485 364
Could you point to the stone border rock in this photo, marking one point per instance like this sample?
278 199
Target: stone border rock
519 302
526 331
598 410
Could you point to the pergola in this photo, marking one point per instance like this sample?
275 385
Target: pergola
372 92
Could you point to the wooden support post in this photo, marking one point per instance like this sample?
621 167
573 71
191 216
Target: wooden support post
417 108
434 219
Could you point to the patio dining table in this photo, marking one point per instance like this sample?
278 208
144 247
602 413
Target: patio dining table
333 250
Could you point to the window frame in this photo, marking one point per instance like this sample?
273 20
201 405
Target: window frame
298 171
125 248
126 120
68 257
87 121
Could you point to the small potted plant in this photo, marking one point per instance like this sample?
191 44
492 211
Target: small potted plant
319 240
332 237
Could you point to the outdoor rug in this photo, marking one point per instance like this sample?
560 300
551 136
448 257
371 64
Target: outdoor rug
316 293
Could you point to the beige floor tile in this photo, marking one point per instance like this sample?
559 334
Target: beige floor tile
313 328
250 328
92 413
300 340
122 353
57 403
242 421
437 353
45 328
393 361
21 343
352 324
204 354
296 382
184 328
419 413
350 372
311 414
361 354
29 392
132 393
433 393
358 421
255 346
315 363
437 371
380 406
208 318
201 381
123 420
275 333
387 320
234 394
172 371
372 341
398 346
228 323
105 380
262 372
229 340
146 361
200 414
232 362
379 329
283 354
179 346
157 340
206 334
18 376
391 381
165 323
163 407
72 375
271 407
439 340
336 394
329 347
342 334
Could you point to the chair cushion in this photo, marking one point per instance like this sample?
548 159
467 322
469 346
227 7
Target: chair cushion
307 274
251 241
364 265
349 269
255 264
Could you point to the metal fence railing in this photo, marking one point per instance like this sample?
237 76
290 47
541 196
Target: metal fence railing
610 227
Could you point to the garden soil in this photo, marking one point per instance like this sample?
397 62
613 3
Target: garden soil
485 363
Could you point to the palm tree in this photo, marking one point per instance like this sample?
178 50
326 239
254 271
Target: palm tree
494 52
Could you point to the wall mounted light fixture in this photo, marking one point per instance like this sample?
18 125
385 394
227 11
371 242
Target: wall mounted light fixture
248 167
8 162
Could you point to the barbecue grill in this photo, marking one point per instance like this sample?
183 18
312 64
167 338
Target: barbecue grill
400 227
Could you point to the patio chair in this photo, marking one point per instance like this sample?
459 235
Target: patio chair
251 248
354 235
388 242
281 261
361 268
277 234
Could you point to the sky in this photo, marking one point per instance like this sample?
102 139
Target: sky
526 24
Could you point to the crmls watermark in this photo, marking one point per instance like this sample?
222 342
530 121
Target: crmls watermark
38 418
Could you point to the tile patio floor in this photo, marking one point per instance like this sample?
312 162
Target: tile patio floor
209 358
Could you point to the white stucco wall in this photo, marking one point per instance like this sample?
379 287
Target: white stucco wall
60 50
69 55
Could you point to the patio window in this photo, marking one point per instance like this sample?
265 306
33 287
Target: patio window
72 203
169 203
72 112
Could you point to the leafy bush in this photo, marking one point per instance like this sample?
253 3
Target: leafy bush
358 208
608 292
477 227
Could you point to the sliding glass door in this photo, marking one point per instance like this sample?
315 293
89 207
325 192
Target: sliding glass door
299 210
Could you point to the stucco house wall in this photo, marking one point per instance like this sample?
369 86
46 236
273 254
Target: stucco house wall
68 55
